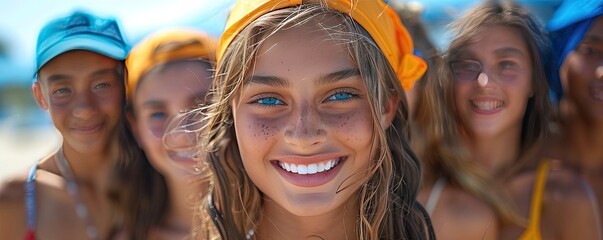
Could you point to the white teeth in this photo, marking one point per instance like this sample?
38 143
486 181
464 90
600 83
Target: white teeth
287 167
487 105
302 169
321 167
310 168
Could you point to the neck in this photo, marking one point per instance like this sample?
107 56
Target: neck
495 153
278 223
584 139
90 166
181 199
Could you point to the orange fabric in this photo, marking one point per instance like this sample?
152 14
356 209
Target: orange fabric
533 230
380 21
164 47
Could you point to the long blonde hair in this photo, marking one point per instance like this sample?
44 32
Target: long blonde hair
388 209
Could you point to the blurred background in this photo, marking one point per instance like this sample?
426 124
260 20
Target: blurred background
26 132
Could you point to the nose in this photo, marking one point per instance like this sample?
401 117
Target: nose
85 107
304 129
482 79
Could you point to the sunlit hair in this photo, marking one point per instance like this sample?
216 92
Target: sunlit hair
387 200
437 140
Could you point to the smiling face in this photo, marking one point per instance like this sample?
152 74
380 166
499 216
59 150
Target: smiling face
83 94
582 73
303 122
159 97
495 100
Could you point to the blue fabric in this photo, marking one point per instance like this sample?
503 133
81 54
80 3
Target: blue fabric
80 31
568 26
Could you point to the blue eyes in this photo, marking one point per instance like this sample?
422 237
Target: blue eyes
273 101
341 96
157 115
269 101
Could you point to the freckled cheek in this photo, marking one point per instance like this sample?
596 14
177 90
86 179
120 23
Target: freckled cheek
352 127
256 133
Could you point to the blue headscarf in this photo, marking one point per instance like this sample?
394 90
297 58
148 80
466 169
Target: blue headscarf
567 27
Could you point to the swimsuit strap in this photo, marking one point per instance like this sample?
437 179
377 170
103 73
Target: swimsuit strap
30 198
434 195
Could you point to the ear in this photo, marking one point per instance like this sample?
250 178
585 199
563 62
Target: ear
133 125
391 106
38 93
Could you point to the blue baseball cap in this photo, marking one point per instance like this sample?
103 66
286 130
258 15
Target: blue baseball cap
80 31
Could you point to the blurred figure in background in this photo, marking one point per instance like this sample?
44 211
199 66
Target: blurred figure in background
410 14
577 82
493 82
80 82
168 74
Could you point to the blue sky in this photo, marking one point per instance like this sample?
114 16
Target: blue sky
20 22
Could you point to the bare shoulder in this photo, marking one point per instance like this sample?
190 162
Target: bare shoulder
12 189
12 206
566 186
568 196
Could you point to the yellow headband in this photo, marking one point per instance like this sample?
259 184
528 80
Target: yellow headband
164 47
380 21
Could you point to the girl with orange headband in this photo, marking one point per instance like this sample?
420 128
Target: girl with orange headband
483 120
307 129
168 73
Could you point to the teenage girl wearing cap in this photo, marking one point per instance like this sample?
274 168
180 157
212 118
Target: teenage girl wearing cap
80 71
307 132
577 79
168 74
494 95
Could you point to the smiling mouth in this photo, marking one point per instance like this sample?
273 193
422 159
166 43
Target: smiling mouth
309 169
88 129
487 105
597 93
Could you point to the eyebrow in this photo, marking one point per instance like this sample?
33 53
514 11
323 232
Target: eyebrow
63 77
103 72
153 104
590 38
506 51
322 79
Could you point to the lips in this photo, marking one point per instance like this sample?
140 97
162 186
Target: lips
486 106
309 171
88 129
312 168
596 93
182 155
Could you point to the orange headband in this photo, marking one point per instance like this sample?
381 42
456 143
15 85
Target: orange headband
164 47
380 21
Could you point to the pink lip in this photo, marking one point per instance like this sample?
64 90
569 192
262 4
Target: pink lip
181 159
310 180
92 129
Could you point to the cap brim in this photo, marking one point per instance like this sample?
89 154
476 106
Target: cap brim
108 49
